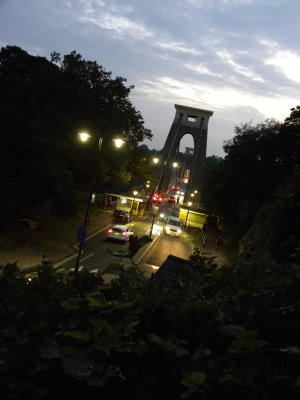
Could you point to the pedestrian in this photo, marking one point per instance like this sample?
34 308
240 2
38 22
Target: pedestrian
218 241
110 203
105 203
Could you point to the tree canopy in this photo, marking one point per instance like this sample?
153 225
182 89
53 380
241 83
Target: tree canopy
255 187
43 106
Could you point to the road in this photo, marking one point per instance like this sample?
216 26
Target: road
97 251
178 246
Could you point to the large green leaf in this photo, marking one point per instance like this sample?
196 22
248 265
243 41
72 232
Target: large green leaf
50 349
79 335
76 363
192 381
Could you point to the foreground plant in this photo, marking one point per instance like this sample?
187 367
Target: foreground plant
224 332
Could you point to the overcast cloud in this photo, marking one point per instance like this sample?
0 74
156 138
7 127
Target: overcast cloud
237 58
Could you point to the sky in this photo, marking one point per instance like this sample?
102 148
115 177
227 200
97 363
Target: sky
237 58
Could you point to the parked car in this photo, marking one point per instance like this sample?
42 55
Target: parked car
172 226
123 215
119 232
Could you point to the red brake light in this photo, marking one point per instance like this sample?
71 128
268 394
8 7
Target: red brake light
110 230
124 233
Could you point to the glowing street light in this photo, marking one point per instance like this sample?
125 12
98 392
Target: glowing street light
155 160
84 136
118 142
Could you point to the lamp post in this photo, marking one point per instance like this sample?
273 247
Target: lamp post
193 195
84 137
195 191
134 194
187 215
147 189
175 165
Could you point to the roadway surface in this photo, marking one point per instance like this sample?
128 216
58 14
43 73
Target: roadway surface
97 251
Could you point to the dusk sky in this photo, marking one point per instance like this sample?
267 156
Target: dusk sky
237 58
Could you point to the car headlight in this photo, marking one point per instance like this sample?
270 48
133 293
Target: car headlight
179 231
167 229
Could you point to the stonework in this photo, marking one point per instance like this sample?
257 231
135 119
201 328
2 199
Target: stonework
193 121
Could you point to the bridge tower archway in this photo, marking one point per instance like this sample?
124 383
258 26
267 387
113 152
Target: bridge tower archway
193 121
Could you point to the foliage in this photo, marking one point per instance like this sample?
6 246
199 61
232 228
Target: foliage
252 185
226 333
43 106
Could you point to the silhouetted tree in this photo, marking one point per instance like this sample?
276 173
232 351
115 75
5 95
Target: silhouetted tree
43 106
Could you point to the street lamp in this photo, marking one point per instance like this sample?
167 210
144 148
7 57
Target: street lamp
84 137
147 189
118 143
134 194
192 195
155 160
176 165
187 215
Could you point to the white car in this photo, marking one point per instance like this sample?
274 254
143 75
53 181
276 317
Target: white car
172 226
119 232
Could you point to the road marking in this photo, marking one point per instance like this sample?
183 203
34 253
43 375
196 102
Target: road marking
79 269
96 233
90 255
65 260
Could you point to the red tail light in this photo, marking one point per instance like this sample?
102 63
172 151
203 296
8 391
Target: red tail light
124 233
110 230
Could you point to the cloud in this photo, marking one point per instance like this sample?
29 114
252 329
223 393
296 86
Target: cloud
201 69
287 62
203 95
120 25
238 68
178 47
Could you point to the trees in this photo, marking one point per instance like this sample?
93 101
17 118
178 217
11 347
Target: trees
257 161
43 106
254 186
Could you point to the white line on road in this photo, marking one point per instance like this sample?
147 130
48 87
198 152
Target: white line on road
90 255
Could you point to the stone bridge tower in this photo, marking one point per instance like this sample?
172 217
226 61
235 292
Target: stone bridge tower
193 121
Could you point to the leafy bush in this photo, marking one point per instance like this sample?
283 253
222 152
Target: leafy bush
224 333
